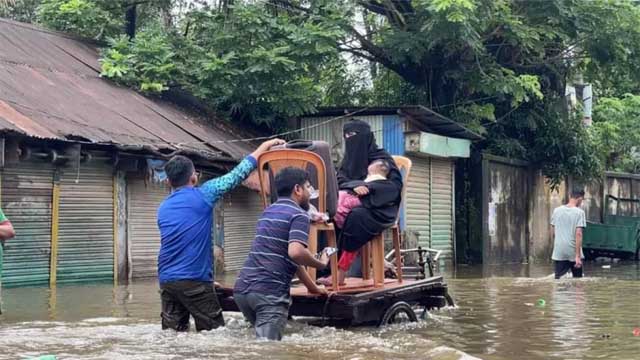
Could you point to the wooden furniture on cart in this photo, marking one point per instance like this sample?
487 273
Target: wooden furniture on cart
372 253
275 160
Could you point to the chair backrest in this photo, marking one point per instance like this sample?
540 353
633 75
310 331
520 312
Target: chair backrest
276 160
404 165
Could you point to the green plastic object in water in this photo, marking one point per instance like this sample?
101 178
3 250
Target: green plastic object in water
45 357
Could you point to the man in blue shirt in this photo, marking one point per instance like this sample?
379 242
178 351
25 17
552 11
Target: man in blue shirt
279 251
185 260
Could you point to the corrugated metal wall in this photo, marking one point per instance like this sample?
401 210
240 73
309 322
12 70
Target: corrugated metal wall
242 209
85 238
143 233
393 136
393 142
27 190
417 203
332 131
442 206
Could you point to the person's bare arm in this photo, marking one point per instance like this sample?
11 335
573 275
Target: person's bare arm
6 231
578 247
308 283
302 256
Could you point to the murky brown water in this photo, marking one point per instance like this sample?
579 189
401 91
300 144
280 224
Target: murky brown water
497 317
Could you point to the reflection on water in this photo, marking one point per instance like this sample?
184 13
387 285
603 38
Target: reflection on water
498 316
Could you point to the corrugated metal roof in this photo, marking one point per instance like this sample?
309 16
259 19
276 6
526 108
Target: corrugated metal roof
425 118
50 88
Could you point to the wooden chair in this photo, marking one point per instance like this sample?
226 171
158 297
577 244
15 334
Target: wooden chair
373 251
276 160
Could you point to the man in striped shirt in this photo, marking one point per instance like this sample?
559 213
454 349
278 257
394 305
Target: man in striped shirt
279 251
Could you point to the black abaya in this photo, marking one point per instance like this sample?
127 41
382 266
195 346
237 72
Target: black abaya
380 207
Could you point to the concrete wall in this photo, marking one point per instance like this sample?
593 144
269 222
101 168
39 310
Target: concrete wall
543 199
517 204
508 197
592 203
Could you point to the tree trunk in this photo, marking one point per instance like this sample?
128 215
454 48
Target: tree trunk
130 20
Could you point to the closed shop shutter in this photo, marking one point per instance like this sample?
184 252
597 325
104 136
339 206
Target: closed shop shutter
417 202
442 207
143 234
85 234
27 190
242 208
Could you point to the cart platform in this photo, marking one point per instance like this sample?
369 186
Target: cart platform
359 303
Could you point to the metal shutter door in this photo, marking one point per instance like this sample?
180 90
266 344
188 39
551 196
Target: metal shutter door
143 234
242 208
442 207
85 238
417 202
27 190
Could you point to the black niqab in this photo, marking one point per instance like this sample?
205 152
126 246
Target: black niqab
360 151
357 147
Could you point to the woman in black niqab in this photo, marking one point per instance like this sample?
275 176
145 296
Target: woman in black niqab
380 207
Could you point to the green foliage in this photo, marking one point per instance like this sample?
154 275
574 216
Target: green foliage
616 132
80 17
254 66
498 66
501 67
340 86
146 62
19 10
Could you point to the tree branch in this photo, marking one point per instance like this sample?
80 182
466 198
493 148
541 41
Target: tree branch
374 6
357 53
370 47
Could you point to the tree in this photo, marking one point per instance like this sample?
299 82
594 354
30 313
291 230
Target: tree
82 17
256 67
616 132
498 66
501 67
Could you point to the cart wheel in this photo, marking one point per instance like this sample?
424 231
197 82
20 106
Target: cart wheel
400 312
449 299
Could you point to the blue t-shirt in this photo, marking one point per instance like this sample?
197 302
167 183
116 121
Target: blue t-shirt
185 220
268 268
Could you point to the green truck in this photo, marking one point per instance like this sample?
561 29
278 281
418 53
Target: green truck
618 236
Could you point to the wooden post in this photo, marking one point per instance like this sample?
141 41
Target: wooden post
377 251
55 212
331 239
396 248
365 253
313 248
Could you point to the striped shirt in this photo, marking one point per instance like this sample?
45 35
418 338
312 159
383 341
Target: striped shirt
268 269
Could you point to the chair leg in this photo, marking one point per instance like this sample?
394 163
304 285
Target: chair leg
331 238
365 253
377 251
313 248
396 248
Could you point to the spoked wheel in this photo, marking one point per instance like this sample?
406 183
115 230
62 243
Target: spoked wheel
398 313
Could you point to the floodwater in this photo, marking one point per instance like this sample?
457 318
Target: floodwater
501 313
